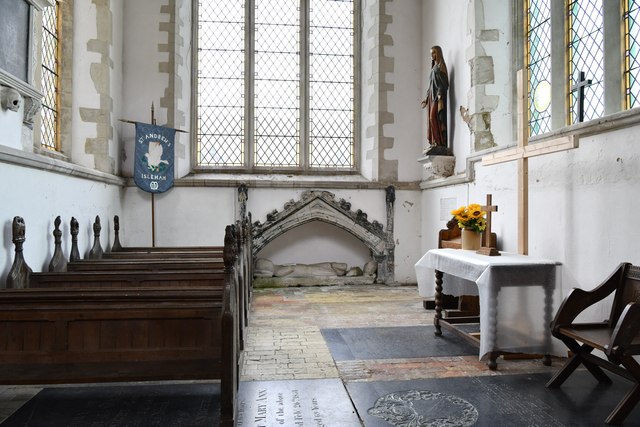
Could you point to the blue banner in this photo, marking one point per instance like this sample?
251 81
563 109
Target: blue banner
154 157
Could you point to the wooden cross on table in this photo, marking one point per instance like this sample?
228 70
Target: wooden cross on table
486 248
522 153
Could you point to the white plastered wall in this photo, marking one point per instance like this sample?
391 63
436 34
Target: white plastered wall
404 100
444 24
39 197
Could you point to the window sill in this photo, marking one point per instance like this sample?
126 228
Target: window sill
286 181
612 122
608 123
56 165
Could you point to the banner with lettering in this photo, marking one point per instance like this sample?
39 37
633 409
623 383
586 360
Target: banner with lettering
154 157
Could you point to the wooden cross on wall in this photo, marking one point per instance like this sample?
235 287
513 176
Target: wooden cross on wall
521 154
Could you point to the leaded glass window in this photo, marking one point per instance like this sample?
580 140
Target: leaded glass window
49 111
539 65
631 18
276 84
331 84
586 60
220 118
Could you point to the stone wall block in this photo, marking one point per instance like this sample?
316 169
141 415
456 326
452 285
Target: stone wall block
490 35
92 115
480 122
105 163
483 140
482 71
97 146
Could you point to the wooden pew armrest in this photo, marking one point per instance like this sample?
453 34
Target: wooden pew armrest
626 331
579 299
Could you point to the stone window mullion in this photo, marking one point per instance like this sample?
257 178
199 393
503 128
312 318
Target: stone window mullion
613 48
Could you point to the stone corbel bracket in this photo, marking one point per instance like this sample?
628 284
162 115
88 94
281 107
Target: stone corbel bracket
16 94
323 206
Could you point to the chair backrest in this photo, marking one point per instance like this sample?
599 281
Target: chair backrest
628 291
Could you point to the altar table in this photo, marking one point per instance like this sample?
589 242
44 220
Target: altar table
519 295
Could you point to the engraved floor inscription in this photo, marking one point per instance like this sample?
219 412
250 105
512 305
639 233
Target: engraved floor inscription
295 403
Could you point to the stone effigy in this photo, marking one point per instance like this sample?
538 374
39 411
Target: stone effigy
268 274
266 268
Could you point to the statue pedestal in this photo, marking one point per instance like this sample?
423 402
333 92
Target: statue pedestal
437 166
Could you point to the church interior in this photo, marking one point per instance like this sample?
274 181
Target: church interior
252 212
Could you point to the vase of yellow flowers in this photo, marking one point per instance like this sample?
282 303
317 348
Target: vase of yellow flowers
472 221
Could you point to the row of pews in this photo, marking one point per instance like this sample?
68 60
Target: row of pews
131 314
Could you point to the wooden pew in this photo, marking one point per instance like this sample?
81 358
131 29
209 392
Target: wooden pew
123 325
124 264
128 278
243 270
168 254
67 335
155 258
175 254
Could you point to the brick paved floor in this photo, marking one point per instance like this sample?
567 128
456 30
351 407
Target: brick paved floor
284 339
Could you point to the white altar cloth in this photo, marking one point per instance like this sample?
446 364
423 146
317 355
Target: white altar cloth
519 296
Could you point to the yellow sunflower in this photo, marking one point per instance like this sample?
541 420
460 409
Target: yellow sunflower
458 211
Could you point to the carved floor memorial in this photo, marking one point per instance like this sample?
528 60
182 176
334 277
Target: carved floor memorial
295 403
488 401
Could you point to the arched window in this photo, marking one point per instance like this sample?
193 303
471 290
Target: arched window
276 84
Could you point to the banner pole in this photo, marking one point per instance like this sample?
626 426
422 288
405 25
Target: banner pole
152 187
153 220
153 196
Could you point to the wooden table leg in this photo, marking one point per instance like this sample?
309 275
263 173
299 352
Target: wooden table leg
493 357
438 300
546 360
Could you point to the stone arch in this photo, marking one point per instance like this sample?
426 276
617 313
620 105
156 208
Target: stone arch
322 206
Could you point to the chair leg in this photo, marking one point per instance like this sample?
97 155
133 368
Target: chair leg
627 404
564 372
617 416
579 350
597 372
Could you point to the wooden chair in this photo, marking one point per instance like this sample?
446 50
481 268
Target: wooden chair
618 337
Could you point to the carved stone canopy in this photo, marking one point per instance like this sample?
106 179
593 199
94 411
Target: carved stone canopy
323 206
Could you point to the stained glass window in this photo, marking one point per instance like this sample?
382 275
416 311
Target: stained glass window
291 84
539 65
586 60
49 111
631 19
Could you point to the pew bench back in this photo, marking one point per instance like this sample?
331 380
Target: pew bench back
147 264
68 335
127 279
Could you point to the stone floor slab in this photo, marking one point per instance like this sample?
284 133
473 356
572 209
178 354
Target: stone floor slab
323 402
